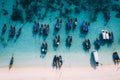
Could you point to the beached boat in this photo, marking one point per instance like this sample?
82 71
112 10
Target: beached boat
96 58
116 57
11 62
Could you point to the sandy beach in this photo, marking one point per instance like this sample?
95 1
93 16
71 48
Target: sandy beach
105 72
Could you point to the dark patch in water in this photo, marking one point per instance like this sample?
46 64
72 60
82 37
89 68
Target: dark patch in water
33 8
77 10
17 15
118 15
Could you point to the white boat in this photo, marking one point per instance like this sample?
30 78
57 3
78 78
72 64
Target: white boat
96 58
103 34
107 35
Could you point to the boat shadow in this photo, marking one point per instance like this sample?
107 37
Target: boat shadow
92 61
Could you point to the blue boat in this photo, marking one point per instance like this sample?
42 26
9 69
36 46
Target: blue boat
116 58
11 62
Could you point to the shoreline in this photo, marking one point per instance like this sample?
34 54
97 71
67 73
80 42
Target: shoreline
63 66
105 72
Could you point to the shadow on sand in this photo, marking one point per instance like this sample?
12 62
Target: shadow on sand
92 61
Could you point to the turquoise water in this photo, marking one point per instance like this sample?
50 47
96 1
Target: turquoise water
26 49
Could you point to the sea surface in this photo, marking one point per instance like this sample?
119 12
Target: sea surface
27 48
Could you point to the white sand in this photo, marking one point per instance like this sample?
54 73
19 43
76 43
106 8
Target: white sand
109 72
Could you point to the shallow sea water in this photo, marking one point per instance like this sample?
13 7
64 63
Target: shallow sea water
26 49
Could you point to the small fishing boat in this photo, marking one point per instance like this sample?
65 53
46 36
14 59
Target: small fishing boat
11 62
116 58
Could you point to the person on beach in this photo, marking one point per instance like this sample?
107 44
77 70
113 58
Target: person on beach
11 62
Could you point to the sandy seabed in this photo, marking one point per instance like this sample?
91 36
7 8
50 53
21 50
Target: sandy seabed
105 72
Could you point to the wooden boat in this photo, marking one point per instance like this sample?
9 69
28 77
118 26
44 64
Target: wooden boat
116 58
11 62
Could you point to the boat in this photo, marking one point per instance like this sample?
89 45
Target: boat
11 62
96 58
116 57
103 34
107 35
87 44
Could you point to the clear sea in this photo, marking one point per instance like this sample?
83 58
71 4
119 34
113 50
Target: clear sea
27 48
